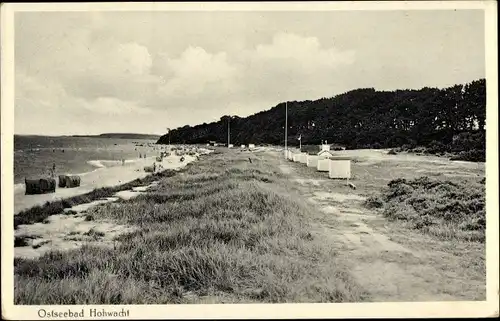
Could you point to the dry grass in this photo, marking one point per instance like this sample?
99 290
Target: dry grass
224 230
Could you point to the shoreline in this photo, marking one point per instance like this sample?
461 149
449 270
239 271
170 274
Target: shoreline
98 178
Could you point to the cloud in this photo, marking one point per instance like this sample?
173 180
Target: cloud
37 91
195 72
105 77
302 52
293 67
112 106
95 68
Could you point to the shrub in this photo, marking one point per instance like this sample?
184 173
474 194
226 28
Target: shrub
419 149
374 201
446 206
20 241
467 141
436 147
474 155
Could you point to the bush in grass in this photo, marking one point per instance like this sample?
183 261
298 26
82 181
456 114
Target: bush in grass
474 155
446 206
436 147
374 201
20 241
407 147
468 141
419 150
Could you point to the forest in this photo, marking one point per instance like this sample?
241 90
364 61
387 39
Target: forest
432 120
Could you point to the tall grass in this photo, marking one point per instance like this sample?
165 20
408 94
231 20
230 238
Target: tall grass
438 207
225 230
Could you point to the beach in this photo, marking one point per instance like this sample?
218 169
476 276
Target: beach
101 177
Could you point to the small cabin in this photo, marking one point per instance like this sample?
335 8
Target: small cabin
312 161
213 143
340 167
325 154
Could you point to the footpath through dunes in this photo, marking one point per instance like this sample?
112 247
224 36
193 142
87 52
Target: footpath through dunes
229 228
387 259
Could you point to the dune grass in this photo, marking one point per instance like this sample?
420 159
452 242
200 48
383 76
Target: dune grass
446 209
38 214
224 230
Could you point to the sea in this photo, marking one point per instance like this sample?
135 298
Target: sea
34 156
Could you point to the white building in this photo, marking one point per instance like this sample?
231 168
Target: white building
325 153
339 167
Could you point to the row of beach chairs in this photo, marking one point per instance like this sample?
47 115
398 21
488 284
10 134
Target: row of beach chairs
48 184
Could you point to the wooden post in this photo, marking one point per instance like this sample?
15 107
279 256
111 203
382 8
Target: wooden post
286 125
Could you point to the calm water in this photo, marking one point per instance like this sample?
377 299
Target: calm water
35 155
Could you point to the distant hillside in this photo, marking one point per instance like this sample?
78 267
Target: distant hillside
122 136
361 118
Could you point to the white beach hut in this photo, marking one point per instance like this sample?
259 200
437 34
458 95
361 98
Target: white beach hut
303 158
312 161
339 167
323 165
325 154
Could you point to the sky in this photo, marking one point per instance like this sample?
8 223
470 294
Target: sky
143 72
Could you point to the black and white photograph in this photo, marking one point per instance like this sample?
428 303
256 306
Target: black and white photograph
224 155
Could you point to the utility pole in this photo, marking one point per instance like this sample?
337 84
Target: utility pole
286 126
168 132
228 131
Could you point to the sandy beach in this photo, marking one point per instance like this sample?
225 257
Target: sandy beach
102 177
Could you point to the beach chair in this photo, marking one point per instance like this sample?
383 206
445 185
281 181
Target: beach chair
72 181
62 181
40 186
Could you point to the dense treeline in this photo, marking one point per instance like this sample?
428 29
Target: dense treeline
442 119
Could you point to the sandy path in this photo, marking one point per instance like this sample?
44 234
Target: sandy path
416 268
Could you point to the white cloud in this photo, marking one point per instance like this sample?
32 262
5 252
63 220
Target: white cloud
112 106
195 67
302 52
195 72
